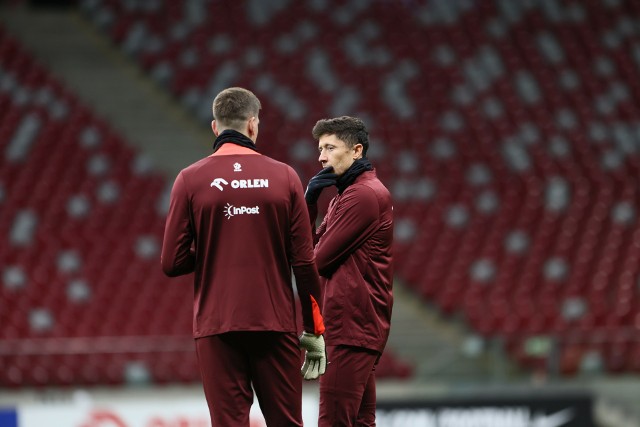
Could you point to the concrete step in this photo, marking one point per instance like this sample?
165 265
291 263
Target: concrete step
438 347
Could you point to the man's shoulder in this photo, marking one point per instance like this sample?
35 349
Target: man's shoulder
195 166
369 183
365 193
274 162
292 175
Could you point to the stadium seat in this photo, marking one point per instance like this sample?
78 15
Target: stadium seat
509 142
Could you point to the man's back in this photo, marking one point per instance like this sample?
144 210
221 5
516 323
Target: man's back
246 212
238 220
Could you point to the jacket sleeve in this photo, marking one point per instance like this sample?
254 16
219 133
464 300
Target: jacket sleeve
313 215
177 256
303 260
355 218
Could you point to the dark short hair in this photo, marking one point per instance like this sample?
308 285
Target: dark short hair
351 130
234 105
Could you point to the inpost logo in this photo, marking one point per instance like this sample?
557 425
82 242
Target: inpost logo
231 210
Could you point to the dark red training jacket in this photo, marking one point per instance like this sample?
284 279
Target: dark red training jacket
353 253
238 220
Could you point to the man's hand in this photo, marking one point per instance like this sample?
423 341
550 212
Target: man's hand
315 358
324 178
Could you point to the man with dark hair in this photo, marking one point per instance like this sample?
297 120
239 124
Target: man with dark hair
353 254
238 220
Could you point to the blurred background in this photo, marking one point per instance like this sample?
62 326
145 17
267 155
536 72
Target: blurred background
508 132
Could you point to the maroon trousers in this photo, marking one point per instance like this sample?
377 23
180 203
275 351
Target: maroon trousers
232 362
348 388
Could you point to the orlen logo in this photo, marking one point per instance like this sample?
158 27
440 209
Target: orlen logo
218 183
240 183
231 210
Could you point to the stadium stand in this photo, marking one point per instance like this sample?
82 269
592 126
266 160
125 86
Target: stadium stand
507 131
82 227
84 299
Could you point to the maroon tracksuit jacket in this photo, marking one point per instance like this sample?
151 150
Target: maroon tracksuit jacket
353 254
238 219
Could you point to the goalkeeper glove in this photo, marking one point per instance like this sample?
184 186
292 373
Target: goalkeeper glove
315 358
324 178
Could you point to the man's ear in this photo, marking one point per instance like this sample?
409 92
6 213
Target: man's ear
251 127
214 127
357 151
